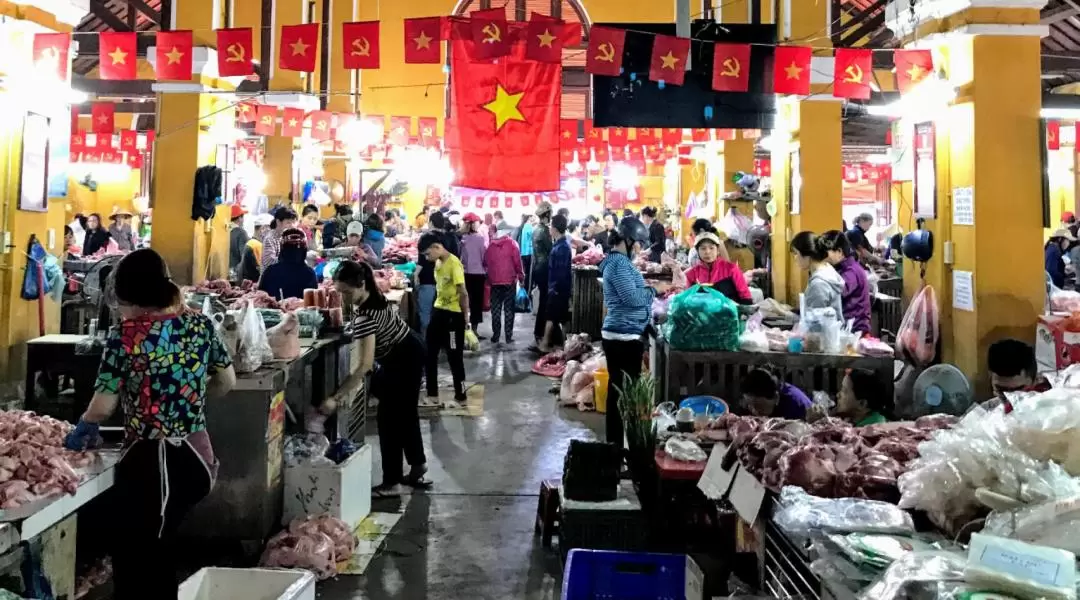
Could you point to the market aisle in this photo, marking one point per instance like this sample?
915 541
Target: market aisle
472 535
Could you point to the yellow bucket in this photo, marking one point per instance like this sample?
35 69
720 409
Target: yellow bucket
600 390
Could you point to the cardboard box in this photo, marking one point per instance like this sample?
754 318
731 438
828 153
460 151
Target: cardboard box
1055 348
342 491
215 583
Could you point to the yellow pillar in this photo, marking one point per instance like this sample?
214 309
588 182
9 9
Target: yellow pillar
738 156
278 166
806 156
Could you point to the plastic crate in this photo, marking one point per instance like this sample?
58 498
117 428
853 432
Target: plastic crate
591 471
214 583
618 524
607 575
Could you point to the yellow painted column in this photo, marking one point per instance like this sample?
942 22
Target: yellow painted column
738 156
278 166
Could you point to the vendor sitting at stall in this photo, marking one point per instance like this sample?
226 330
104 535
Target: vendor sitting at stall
766 395
716 270
862 399
290 275
160 365
1013 368
698 227
1053 256
855 299
825 287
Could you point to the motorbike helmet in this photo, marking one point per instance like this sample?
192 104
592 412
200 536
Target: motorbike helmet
633 230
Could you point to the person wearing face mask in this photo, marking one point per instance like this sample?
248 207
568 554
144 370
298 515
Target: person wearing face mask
855 299
395 357
713 268
628 302
160 366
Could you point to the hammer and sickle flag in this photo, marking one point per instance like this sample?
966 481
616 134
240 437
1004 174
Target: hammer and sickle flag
490 34
731 67
52 54
265 119
605 53
852 72
234 52
361 44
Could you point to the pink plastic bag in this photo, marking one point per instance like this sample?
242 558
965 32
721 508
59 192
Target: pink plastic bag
919 331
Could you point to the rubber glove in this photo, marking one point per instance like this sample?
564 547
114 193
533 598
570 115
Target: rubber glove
85 435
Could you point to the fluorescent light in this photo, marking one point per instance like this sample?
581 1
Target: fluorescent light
1060 113
926 99
879 159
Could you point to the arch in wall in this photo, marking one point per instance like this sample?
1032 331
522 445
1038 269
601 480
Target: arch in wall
576 99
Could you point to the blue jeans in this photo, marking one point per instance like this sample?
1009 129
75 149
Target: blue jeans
425 303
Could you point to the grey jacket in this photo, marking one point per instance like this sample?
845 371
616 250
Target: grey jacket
824 289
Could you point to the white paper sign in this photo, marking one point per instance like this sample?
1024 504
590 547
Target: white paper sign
963 291
963 206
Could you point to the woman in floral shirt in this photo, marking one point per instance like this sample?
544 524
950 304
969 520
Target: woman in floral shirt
159 365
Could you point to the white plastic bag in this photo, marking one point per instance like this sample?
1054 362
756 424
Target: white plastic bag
254 348
284 338
735 226
566 391
684 450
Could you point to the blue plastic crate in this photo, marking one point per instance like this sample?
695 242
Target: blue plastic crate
610 575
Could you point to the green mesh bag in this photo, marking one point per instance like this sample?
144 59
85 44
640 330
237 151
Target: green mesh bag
702 318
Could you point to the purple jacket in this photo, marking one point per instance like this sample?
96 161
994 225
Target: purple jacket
856 297
473 246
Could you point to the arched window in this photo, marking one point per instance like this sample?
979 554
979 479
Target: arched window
576 102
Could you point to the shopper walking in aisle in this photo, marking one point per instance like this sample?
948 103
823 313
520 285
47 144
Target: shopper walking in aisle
238 238
394 355
504 270
525 242
373 235
557 311
473 245
541 252
629 304
449 319
424 276
657 235
160 365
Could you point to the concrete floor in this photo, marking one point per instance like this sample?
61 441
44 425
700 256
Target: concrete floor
471 535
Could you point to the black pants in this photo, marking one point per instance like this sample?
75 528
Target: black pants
151 475
397 386
446 332
526 267
474 285
623 360
502 310
540 278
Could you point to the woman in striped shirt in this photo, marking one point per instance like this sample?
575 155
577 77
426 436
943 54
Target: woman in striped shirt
395 357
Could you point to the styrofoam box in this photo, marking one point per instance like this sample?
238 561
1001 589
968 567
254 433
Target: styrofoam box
213 583
342 491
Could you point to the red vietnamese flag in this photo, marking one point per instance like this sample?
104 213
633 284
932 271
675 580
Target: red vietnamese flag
299 47
245 112
234 52
117 55
912 66
605 53
129 138
1053 135
361 45
321 122
292 122
422 41
791 70
135 159
672 136
618 153
852 71
724 135
600 154
731 67
543 39
700 135
566 155
617 136
568 129
52 52
668 62
490 33
78 139
265 117
427 129
506 112
103 141
173 52
91 156
101 115
400 129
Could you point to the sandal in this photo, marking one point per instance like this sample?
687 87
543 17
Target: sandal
416 478
387 491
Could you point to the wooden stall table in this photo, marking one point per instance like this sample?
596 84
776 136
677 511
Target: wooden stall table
587 301
690 373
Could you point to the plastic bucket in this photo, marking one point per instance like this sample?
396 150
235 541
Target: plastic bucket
600 390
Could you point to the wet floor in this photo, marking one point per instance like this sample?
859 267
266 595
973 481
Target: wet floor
471 536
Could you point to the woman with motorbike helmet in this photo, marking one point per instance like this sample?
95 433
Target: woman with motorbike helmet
629 305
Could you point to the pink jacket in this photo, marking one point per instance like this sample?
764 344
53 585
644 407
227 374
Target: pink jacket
502 259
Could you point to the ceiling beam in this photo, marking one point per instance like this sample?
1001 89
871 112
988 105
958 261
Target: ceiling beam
145 9
103 87
99 10
1062 62
130 108
89 46
866 28
1058 14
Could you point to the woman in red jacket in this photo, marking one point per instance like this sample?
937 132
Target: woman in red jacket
716 270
